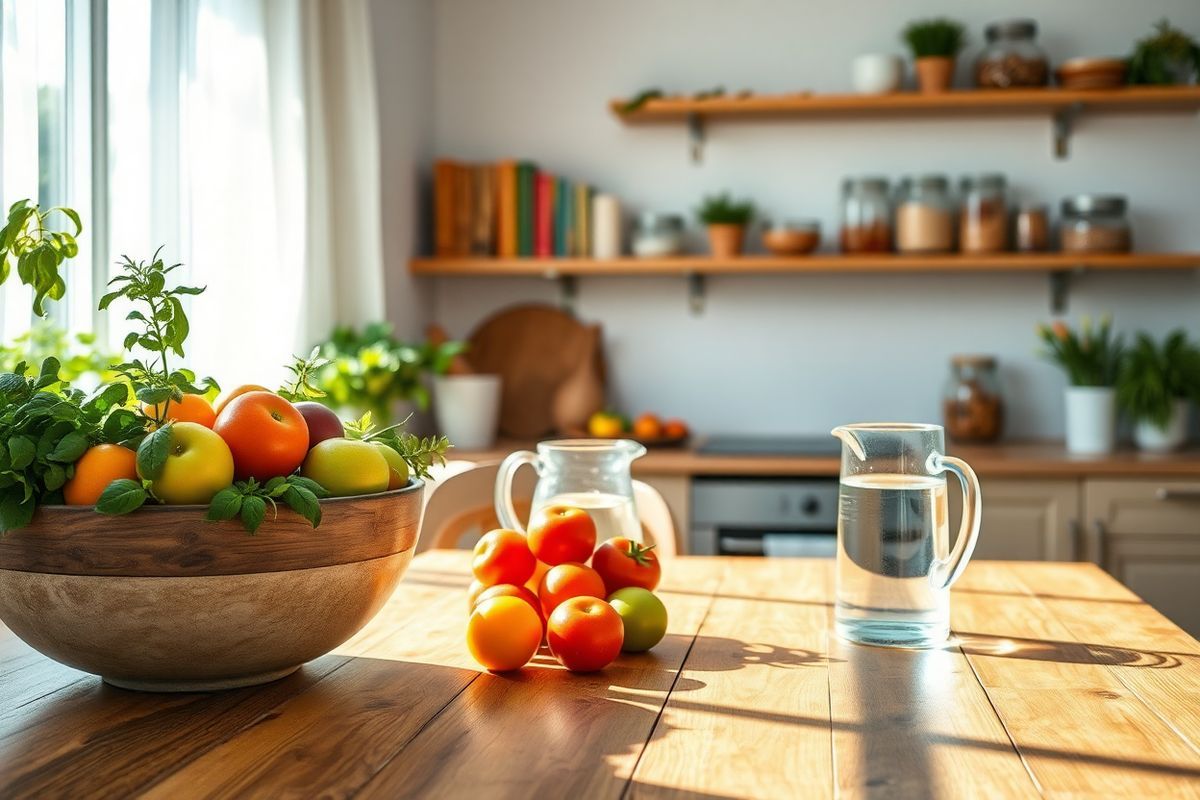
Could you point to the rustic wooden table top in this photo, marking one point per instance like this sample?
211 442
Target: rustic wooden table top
1061 683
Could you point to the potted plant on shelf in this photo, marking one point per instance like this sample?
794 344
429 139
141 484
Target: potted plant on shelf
1155 386
1091 358
726 220
934 43
1170 56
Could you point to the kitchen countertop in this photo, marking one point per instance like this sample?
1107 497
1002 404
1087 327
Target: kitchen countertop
1009 460
1061 683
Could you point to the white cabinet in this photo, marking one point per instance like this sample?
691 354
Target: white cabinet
1024 520
1146 533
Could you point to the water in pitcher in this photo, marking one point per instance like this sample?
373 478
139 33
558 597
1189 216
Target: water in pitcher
613 514
891 528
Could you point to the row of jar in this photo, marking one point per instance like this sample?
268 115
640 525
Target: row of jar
923 216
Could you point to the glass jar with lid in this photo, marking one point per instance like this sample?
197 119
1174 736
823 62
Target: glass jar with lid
924 215
983 219
1012 58
1095 223
972 408
866 216
657 235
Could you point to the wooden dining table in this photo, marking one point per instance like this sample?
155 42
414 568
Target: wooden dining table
1058 682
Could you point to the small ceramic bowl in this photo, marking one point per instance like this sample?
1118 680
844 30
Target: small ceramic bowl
1092 73
792 237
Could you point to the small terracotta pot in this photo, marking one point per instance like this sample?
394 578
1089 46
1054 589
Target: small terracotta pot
934 73
725 239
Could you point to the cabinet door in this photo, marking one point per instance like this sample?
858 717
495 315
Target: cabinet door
1024 520
1146 533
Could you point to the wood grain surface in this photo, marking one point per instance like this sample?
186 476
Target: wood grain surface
176 541
1059 682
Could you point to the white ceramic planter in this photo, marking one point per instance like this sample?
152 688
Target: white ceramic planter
1153 439
1091 419
877 73
467 409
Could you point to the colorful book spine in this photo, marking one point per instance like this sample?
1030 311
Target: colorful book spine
543 246
445 177
483 217
526 183
583 220
506 209
564 241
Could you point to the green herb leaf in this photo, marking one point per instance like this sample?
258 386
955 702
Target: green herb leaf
21 452
308 483
15 512
121 497
226 504
153 452
69 449
304 503
254 510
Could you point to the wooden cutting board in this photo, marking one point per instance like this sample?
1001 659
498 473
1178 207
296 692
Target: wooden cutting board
533 348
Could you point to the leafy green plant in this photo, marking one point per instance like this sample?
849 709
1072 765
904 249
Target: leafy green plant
722 209
79 356
43 434
161 328
420 453
640 99
938 37
373 369
1168 56
1152 378
1091 357
304 371
38 250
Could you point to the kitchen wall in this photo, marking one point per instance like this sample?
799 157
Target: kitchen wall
531 79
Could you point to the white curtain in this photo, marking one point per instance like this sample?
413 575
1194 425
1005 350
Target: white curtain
279 189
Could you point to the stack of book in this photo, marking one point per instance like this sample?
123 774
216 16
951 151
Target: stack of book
509 209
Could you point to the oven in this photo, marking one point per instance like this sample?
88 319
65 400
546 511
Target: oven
751 516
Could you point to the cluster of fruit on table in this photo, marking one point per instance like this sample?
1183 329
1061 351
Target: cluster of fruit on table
251 432
647 427
537 587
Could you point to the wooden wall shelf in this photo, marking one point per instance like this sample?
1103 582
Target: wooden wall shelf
1059 266
1063 105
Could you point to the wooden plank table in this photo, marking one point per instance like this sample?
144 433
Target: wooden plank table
1060 683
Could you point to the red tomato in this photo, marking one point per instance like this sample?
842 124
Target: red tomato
504 633
566 581
558 534
502 556
508 590
585 634
266 434
623 562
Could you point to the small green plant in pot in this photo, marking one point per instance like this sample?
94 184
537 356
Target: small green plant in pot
935 43
1091 357
1170 56
1155 386
726 220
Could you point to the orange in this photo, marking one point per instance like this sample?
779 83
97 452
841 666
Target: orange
675 429
192 408
224 399
95 470
647 426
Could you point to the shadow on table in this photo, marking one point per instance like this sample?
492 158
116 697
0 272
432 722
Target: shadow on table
1065 652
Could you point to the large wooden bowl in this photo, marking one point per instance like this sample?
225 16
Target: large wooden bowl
161 600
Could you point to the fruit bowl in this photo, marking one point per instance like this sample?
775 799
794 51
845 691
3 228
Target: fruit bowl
161 600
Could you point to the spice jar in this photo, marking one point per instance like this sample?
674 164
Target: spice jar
983 220
657 235
924 215
1011 58
866 216
1095 223
1032 229
972 408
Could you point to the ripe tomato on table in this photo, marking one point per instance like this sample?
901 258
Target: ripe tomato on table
565 581
623 562
502 556
559 534
585 634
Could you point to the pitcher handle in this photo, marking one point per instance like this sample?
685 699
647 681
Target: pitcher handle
506 512
947 571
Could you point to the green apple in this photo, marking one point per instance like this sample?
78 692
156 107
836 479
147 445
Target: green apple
199 464
397 466
644 616
346 467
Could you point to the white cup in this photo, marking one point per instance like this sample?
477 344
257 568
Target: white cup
877 73
467 409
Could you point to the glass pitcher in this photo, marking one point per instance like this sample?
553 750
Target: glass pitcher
592 474
894 563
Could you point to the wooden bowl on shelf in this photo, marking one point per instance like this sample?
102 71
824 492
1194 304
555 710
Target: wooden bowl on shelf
161 600
1092 73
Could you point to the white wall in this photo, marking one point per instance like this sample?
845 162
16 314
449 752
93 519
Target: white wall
531 78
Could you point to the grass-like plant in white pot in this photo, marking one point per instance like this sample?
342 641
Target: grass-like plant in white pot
934 43
1091 357
1156 386
726 220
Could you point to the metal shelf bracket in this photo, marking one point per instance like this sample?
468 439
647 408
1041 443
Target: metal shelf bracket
697 286
1060 290
695 124
1064 124
568 293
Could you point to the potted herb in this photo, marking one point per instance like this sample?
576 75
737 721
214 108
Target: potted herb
1170 56
1155 385
726 220
1091 358
935 44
